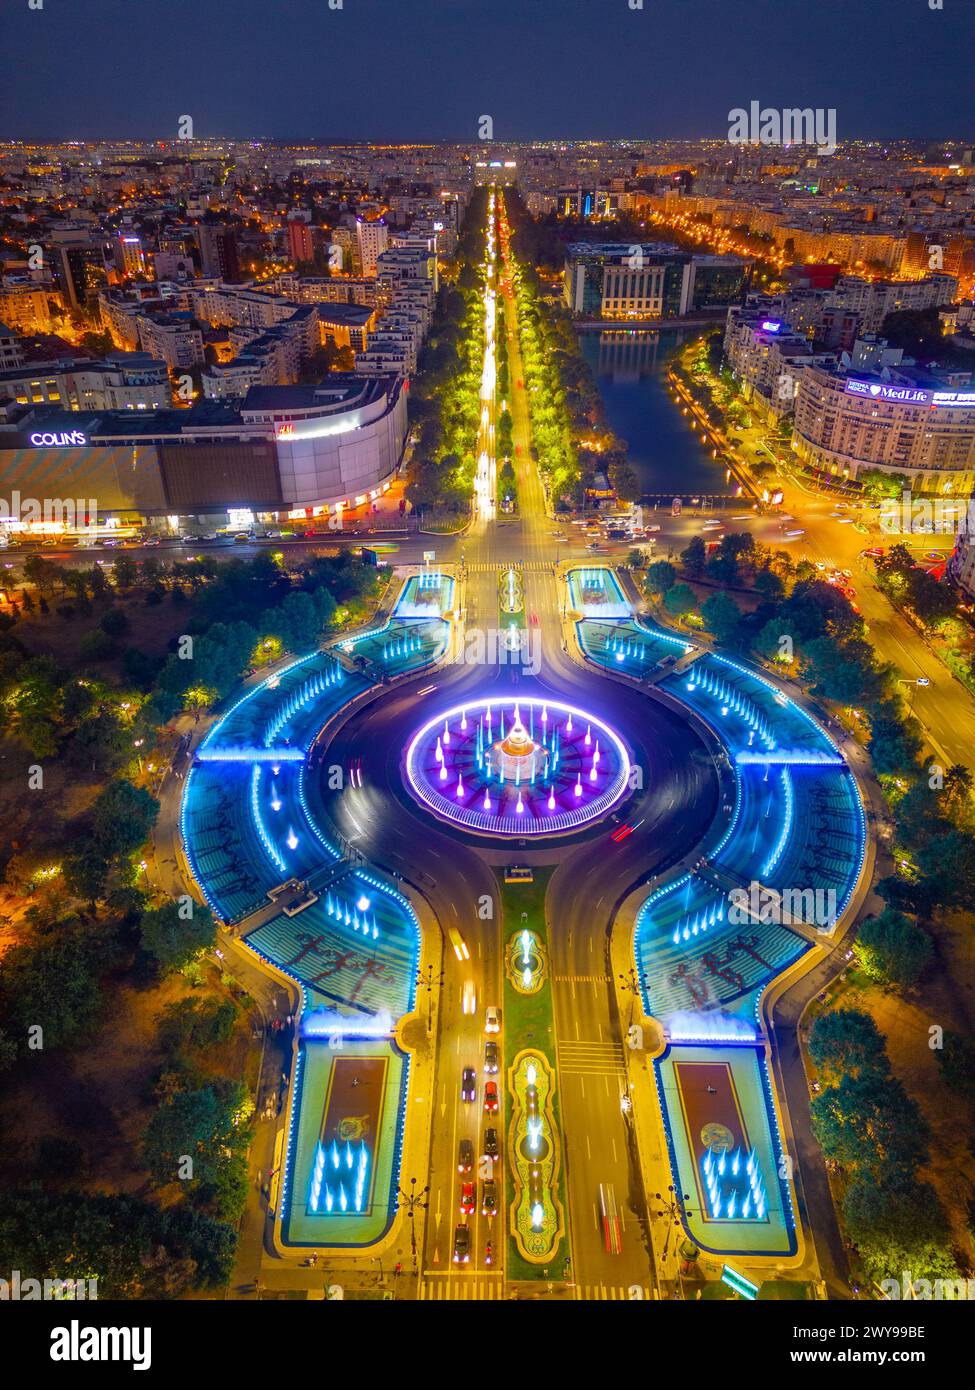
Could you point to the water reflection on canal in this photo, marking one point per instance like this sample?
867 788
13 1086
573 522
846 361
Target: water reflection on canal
630 366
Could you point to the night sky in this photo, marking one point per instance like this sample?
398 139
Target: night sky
427 69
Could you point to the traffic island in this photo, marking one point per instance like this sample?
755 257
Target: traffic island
535 1197
534 1158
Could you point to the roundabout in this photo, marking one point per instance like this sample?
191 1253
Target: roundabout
322 778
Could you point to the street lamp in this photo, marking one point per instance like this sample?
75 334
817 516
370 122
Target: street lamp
410 1202
425 980
632 982
672 1208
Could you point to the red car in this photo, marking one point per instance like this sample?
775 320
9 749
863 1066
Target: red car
467 1199
491 1097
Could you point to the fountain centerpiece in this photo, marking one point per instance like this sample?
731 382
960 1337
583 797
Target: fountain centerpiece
500 766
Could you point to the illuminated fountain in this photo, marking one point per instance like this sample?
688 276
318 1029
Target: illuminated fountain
510 767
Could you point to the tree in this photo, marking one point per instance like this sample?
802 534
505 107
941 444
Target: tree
694 557
868 1121
102 742
891 949
842 671
722 618
956 1062
52 984
769 585
197 1024
898 1225
114 622
661 576
135 1249
172 939
122 817
680 600
947 863
893 745
846 1041
208 1125
296 623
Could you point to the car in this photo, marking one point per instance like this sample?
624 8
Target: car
490 1058
152 540
609 1219
491 1097
491 1143
468 1084
467 1199
465 1156
492 1019
462 1245
469 1002
489 1201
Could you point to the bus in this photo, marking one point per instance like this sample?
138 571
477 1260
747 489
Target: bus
610 1219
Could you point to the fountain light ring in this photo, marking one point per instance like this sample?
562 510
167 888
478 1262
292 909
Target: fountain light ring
548 798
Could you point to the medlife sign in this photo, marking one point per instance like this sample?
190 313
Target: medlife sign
77 1343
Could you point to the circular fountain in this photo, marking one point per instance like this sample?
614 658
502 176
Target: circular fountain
517 767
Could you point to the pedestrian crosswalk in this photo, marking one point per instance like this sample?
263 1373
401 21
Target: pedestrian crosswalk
590 1293
460 1289
589 1058
530 566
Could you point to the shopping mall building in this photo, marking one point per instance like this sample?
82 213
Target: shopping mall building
285 450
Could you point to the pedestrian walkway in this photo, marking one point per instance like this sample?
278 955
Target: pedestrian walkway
531 566
461 1289
589 1058
581 979
607 1293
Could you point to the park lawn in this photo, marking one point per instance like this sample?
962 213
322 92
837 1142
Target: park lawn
98 1093
529 1022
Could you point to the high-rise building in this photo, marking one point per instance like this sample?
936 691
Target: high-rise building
129 256
218 251
79 270
373 239
301 241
